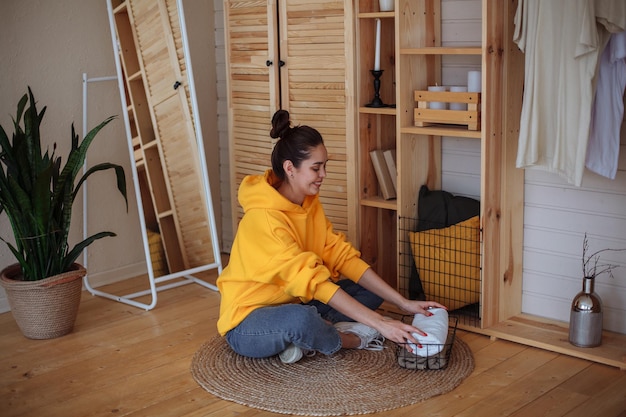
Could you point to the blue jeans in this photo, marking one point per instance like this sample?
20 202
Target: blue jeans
267 331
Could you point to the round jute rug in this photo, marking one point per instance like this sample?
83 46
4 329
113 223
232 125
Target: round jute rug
347 383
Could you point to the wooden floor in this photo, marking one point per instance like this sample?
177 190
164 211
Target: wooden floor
123 361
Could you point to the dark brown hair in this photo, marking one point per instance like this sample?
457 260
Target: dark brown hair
295 143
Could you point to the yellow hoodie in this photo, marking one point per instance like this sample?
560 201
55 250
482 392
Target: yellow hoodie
283 253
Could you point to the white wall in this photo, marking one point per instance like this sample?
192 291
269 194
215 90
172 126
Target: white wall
48 45
461 25
201 32
222 124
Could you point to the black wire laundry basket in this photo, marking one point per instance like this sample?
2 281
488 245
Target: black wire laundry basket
436 357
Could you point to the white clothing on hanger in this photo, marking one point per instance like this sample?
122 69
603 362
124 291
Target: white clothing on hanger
611 14
560 40
561 44
608 109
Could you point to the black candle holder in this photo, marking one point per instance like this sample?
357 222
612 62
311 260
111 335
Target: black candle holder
376 101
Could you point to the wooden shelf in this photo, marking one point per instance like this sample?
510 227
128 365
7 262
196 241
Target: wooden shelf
379 202
442 50
151 144
119 7
553 335
391 111
373 15
165 214
444 130
135 76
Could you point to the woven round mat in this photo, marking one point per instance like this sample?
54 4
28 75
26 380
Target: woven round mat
346 383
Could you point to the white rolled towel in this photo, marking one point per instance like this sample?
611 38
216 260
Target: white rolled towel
436 328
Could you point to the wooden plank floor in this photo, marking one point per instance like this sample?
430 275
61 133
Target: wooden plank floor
123 361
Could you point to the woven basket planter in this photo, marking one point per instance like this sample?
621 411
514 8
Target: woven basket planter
47 308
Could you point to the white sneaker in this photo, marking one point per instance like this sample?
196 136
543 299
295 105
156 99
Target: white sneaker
371 339
293 354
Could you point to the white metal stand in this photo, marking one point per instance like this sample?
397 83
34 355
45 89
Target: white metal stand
184 277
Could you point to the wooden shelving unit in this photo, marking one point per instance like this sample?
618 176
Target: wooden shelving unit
416 53
455 131
442 50
377 237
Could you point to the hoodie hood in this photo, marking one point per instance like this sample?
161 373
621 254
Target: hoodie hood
259 192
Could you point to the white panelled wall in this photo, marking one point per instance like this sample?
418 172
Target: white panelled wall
556 217
461 25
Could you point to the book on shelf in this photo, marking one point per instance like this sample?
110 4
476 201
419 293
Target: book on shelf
385 183
390 159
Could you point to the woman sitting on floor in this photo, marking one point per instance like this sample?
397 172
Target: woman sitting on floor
281 292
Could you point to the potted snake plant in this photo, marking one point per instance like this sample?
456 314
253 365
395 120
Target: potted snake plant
37 193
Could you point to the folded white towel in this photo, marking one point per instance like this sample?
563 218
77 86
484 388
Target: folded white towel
436 328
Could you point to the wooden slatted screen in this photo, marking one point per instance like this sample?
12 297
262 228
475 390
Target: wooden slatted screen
315 88
251 103
315 85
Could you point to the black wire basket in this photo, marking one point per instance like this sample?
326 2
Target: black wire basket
437 355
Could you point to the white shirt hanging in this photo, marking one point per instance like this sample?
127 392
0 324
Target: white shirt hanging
608 109
561 45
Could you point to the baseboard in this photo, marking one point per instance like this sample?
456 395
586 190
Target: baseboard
115 275
95 280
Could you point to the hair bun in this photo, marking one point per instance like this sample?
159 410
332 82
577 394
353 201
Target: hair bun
280 124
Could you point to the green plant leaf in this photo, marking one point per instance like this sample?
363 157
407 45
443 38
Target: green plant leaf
37 192
78 249
119 173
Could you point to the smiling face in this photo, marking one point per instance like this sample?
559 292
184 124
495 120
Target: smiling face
307 178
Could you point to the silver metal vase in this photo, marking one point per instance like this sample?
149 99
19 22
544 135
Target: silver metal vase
585 324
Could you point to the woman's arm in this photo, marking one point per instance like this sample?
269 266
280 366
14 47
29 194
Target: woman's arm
371 281
394 330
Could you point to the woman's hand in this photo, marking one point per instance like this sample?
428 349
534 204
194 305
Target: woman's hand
374 283
403 333
419 307
394 330
399 332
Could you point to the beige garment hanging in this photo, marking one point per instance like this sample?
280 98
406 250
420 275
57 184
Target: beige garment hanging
559 39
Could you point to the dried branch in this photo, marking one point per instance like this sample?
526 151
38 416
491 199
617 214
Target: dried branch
591 264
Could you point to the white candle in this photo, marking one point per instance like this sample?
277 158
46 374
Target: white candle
385 5
473 81
458 106
437 105
377 54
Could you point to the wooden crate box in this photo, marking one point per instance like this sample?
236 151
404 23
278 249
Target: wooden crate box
426 116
